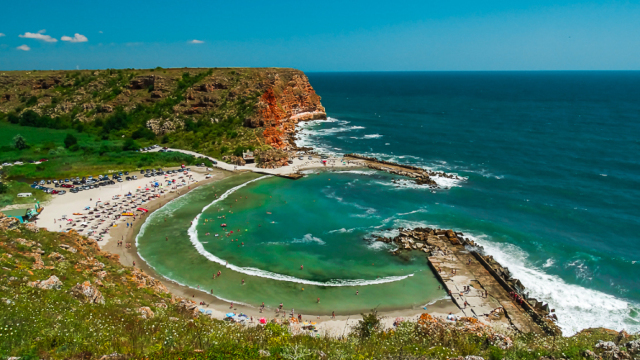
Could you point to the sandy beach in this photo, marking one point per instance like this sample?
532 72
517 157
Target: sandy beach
51 218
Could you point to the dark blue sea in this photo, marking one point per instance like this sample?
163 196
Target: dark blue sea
551 166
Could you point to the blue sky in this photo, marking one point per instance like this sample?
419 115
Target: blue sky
322 35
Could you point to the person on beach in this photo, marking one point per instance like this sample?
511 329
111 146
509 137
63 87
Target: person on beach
318 301
333 314
242 281
357 292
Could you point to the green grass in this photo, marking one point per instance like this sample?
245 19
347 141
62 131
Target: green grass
52 324
14 188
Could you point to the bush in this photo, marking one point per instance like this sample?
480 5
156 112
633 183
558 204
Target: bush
130 145
19 142
369 325
31 101
3 188
70 140
74 148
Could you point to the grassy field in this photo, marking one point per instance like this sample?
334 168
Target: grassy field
54 324
15 188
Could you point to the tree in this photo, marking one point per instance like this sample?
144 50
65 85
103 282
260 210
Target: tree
130 145
19 142
70 140
3 188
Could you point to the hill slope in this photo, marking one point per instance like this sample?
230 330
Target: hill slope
213 111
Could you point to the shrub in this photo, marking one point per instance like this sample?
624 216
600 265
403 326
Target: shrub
130 145
19 142
369 325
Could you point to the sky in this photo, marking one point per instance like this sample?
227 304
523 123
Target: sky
325 35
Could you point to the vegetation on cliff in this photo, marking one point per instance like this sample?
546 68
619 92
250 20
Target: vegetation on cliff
61 297
212 111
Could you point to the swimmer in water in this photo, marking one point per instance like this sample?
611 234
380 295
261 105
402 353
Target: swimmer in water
301 267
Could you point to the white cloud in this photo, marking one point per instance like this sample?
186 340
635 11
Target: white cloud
23 48
38 36
1 35
75 39
194 41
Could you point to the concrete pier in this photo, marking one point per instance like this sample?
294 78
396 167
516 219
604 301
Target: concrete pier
478 285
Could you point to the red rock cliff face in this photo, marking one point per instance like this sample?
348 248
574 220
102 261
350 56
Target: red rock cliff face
284 104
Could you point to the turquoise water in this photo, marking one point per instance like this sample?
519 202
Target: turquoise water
551 189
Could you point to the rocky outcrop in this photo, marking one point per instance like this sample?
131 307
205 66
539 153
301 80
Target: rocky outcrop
283 105
68 248
188 308
87 293
56 256
145 312
161 126
145 281
7 223
234 160
52 283
271 159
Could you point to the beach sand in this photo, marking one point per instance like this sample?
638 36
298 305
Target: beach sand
70 203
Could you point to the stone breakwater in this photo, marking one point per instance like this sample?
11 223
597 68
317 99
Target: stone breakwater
419 175
478 284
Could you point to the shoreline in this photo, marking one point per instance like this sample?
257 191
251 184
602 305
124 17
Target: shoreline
219 307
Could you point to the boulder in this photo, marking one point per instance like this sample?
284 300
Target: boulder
87 293
52 283
145 312
56 256
31 227
38 264
188 308
68 248
633 347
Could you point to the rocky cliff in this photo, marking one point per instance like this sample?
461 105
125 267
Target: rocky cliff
266 102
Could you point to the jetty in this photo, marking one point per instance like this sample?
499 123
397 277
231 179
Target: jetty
477 284
419 175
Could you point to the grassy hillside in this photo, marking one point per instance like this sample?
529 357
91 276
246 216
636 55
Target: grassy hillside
135 316
197 109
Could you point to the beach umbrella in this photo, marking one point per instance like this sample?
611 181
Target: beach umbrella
230 314
263 321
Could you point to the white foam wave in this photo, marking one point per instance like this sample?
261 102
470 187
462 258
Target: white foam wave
342 231
373 136
413 212
379 245
308 238
193 236
548 263
446 183
577 307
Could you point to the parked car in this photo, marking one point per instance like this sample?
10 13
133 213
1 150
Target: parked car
66 180
62 192
141 172
75 191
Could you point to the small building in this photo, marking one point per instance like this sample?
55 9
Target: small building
248 157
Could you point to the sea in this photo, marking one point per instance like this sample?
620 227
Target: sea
549 186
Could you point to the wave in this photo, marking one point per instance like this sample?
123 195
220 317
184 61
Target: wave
413 212
193 236
577 307
309 238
